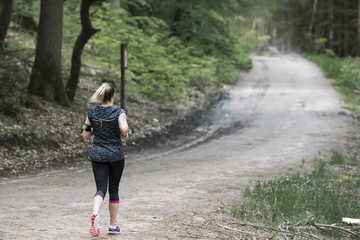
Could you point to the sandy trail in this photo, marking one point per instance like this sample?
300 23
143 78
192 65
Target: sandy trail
283 111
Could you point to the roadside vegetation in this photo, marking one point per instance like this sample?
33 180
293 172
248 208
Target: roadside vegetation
345 74
308 204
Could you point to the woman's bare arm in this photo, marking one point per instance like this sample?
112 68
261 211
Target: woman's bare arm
123 125
84 133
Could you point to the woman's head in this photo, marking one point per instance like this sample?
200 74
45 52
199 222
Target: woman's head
103 94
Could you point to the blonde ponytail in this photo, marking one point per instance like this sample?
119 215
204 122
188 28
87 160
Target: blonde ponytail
102 94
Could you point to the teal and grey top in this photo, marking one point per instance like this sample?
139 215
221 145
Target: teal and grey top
107 145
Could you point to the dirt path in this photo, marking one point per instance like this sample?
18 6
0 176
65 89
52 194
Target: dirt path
283 111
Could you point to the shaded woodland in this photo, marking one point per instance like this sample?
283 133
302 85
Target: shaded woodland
177 49
315 26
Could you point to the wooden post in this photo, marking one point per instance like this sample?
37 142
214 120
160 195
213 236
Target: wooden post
123 67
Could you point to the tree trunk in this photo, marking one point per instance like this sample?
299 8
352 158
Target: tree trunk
313 16
177 18
346 29
5 17
46 78
331 30
87 31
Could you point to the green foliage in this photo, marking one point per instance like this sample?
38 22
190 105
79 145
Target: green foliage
148 62
336 158
205 26
168 58
329 66
322 195
21 7
305 25
163 68
320 45
346 73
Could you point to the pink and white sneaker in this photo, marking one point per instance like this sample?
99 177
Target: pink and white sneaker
114 230
95 224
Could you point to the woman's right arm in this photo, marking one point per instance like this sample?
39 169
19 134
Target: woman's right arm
124 128
86 134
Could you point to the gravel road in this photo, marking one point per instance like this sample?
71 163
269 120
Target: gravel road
280 113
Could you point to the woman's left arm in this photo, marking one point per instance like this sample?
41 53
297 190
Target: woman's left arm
123 125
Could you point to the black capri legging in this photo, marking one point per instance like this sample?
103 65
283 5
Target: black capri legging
108 171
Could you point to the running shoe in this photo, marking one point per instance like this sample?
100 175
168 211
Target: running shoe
95 224
115 230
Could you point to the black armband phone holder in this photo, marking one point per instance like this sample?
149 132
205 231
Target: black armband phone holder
85 127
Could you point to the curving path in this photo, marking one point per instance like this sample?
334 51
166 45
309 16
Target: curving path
280 113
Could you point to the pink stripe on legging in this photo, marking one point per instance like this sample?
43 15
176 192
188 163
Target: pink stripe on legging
113 201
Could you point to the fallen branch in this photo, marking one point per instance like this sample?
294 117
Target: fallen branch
275 230
235 229
320 226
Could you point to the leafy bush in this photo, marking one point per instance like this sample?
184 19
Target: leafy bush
156 64
161 68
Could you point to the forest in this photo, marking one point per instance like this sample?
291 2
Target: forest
176 48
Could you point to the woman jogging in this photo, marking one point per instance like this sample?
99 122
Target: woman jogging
106 122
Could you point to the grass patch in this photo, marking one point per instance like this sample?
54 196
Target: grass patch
324 195
346 76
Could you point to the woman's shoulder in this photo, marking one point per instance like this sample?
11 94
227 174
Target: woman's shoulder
118 109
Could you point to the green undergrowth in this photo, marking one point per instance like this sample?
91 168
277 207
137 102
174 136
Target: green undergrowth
346 76
162 67
328 192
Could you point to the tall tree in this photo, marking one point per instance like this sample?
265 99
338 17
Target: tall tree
46 77
313 14
87 31
331 25
5 17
